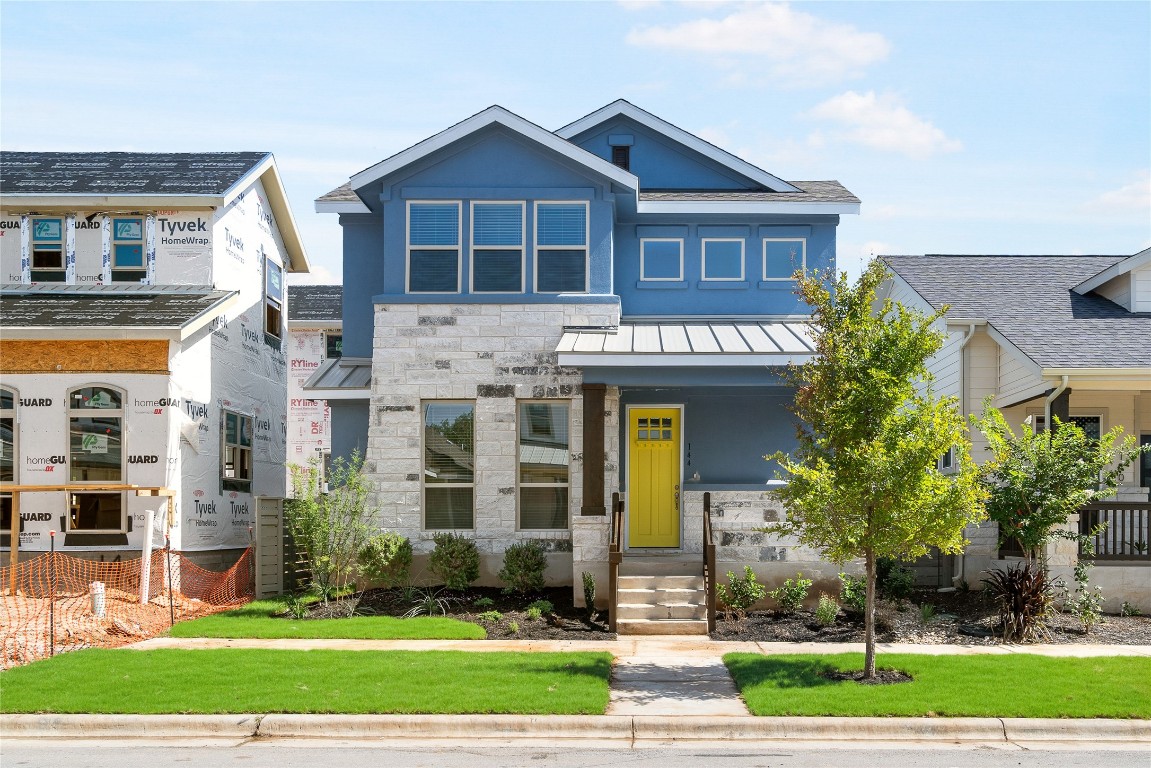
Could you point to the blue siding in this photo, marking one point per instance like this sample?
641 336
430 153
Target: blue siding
727 430
364 278
349 428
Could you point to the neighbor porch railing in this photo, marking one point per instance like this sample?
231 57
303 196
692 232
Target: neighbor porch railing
709 561
1126 537
614 557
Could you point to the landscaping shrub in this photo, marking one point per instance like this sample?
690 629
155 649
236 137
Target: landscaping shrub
895 580
543 606
589 592
386 558
492 616
1087 603
428 602
791 595
853 593
827 610
740 593
455 560
1025 599
533 614
523 570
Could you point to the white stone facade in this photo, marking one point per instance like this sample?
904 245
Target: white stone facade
494 355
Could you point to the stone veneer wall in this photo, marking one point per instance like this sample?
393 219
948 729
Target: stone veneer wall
494 355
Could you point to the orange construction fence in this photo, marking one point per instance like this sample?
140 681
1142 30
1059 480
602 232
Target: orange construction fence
64 603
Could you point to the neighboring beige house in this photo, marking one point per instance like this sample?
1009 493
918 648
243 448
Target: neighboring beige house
1050 336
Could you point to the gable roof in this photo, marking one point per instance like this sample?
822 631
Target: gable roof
44 181
315 304
1030 301
495 115
624 108
1125 266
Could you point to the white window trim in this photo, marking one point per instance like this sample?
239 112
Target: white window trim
473 247
224 451
458 247
423 465
703 259
537 247
519 484
80 486
802 258
643 264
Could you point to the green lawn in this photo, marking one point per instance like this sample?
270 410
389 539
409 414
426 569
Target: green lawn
256 620
262 681
947 686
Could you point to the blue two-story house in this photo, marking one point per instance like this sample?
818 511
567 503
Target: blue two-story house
535 321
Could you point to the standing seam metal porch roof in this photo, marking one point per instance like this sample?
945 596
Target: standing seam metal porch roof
690 343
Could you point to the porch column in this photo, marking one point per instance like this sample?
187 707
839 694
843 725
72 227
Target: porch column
593 450
1061 408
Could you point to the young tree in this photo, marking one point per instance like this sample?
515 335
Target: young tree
863 481
330 527
1036 479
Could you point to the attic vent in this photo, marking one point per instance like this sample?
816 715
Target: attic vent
621 156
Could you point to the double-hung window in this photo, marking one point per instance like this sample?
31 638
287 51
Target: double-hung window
562 247
48 251
497 247
544 459
660 259
96 455
722 259
783 257
128 250
273 298
449 465
236 453
433 247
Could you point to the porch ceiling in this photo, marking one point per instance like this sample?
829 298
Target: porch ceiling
689 343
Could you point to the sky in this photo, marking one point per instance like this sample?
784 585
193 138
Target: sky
998 127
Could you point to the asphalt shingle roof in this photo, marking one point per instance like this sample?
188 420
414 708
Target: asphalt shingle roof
105 306
810 192
1029 299
124 173
315 303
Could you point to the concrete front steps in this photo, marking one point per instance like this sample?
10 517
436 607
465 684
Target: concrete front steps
661 596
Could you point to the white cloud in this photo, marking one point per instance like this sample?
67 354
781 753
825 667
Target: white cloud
1133 197
882 122
797 48
317 275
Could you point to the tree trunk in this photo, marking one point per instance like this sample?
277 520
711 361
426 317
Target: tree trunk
869 619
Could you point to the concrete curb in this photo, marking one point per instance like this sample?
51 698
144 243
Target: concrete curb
599 727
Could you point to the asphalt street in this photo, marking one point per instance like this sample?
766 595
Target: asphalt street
326 753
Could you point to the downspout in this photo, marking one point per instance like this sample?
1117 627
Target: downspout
1051 399
960 569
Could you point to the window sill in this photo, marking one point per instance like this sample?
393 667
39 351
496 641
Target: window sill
661 285
777 285
723 285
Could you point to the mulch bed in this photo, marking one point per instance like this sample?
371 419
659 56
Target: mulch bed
959 618
882 677
566 622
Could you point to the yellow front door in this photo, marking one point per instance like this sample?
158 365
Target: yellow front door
653 477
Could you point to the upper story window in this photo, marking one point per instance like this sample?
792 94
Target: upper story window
497 247
48 251
433 247
96 433
273 298
561 247
128 250
783 257
333 345
722 259
236 456
660 259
